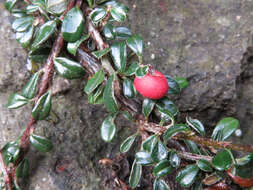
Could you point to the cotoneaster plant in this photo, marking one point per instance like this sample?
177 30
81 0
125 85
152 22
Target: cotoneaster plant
53 33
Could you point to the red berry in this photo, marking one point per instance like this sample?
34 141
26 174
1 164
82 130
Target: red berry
243 182
153 85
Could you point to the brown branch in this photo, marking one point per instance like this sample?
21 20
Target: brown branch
7 176
193 157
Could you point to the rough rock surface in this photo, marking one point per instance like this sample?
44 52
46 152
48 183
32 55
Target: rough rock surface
203 40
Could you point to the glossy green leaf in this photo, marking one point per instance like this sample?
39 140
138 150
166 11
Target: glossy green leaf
175 160
119 12
244 167
68 68
32 8
90 2
100 53
149 144
143 158
174 87
42 108
204 165
187 176
182 82
175 129
56 6
108 128
122 33
16 101
147 106
135 174
126 145
141 71
72 47
9 4
132 69
23 169
119 55
225 128
159 152
167 104
96 97
18 13
192 146
94 81
197 185
109 98
29 89
97 14
24 38
129 90
136 44
41 144
39 55
127 115
223 160
166 116
22 24
109 31
10 152
160 185
72 25
196 125
162 168
45 31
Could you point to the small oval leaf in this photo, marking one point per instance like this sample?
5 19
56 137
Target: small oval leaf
204 165
187 176
135 174
41 144
22 24
162 168
94 81
119 55
23 169
109 98
100 53
175 129
30 88
174 87
175 160
129 90
149 144
122 33
136 44
147 106
160 185
126 145
182 82
196 125
132 68
143 158
72 47
42 108
159 152
223 160
16 101
108 128
97 14
166 104
109 31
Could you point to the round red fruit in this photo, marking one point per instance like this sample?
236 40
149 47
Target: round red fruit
153 85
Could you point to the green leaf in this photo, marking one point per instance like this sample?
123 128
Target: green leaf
132 68
22 24
143 158
41 144
126 145
96 97
32 8
119 55
72 47
175 129
72 25
141 71
225 128
182 82
9 4
44 33
24 38
162 168
119 12
94 81
109 99
160 185
29 89
108 128
18 12
109 31
39 55
197 185
122 33
16 101
159 152
196 125
10 152
68 68
56 6
223 160
127 115
244 167
97 14
147 106
174 87
100 53
42 108
187 176
135 174
192 146
204 165
129 90
166 116
149 144
175 160
23 169
136 44
167 104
